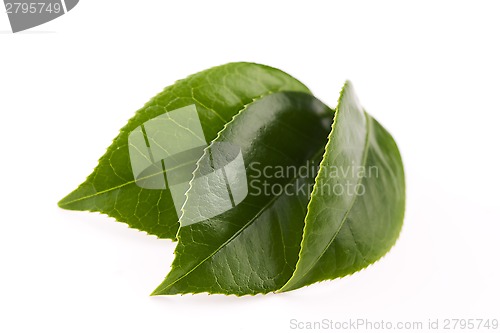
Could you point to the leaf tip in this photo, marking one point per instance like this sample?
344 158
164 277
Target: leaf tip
162 289
62 203
155 293
67 202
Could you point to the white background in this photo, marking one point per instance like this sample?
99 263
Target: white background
428 71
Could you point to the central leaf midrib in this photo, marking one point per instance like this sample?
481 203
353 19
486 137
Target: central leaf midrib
124 184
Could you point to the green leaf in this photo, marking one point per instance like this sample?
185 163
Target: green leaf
218 93
252 220
353 217
345 233
253 247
